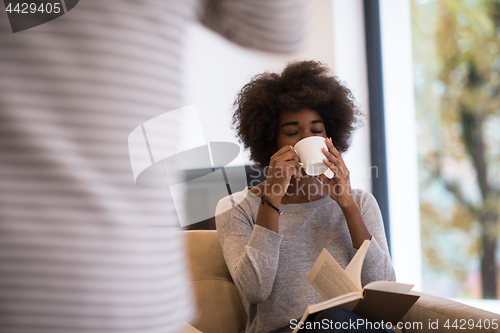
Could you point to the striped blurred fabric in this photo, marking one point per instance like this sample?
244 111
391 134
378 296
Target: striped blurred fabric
77 250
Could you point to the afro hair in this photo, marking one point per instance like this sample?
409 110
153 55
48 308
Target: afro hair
301 85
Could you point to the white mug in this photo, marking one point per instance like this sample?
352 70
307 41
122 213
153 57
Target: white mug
311 156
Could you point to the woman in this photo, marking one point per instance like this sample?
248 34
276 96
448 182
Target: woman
269 253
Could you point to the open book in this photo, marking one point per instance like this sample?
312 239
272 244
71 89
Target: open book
377 301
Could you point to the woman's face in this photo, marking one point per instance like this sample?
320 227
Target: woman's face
295 126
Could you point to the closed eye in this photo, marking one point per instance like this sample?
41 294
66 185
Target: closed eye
315 132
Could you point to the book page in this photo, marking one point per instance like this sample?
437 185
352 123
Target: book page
346 299
353 270
328 278
395 287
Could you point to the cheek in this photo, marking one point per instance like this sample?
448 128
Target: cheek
283 140
280 137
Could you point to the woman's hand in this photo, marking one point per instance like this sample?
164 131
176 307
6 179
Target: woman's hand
283 165
339 187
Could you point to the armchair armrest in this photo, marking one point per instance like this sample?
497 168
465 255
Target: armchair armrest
190 329
430 309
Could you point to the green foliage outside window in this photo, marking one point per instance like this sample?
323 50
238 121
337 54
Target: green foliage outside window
456 49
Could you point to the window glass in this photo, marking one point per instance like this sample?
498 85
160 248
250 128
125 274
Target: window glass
456 54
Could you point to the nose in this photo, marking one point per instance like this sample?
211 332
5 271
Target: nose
305 135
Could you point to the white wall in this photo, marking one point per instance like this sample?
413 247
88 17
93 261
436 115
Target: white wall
350 66
400 123
217 69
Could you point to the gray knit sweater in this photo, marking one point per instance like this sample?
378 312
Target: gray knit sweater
270 269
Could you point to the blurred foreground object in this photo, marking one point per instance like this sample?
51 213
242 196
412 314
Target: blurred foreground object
77 250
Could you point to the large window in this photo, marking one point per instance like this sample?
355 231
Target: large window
456 73
453 115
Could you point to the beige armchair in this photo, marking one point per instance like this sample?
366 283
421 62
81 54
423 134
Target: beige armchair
220 309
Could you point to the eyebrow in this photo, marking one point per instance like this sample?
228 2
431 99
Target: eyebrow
294 123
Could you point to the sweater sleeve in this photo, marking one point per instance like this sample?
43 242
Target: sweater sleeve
267 25
251 252
377 265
